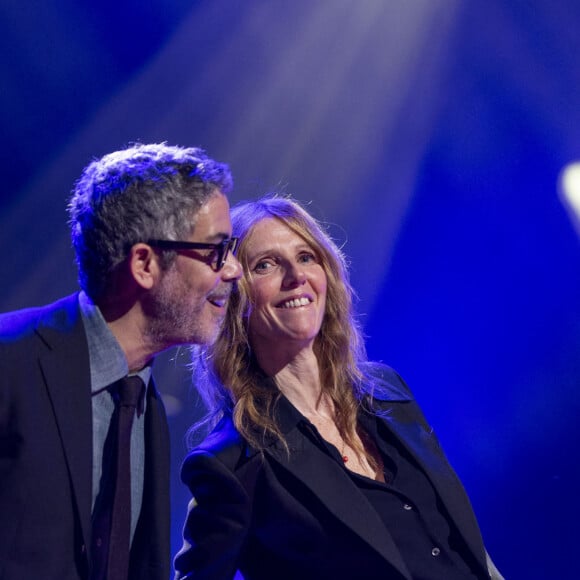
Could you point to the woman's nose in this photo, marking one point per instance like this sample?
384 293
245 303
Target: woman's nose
294 276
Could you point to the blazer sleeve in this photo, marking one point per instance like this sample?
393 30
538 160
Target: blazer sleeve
217 521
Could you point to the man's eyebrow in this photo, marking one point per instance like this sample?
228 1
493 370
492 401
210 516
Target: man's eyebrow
217 237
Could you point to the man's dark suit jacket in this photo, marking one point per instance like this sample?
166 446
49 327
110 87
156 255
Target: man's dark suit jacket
298 516
46 453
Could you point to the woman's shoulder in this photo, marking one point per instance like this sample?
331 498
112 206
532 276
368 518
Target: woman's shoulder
383 383
222 464
224 443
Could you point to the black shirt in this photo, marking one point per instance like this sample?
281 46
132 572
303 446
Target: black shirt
410 509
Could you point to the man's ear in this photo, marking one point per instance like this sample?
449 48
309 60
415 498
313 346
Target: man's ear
144 265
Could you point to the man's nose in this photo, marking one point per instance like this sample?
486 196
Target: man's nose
232 269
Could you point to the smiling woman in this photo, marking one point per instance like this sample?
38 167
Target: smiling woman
288 290
315 451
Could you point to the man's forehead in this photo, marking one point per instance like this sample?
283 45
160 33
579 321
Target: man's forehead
213 217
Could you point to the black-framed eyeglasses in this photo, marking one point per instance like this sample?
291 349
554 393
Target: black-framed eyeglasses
221 249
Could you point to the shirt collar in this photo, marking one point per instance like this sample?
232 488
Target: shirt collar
288 417
107 359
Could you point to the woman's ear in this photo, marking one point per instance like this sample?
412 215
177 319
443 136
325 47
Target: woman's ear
144 265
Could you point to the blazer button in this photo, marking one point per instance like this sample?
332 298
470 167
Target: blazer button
435 552
83 549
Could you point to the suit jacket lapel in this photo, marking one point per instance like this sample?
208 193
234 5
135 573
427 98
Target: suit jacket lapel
66 370
334 488
423 446
151 544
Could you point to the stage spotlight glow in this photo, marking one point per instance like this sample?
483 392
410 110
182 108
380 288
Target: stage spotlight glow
569 188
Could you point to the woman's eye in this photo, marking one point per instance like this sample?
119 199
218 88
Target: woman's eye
306 258
263 266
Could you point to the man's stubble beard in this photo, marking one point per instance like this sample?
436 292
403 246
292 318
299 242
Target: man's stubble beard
172 318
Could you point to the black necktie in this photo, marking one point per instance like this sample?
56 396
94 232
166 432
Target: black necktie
112 517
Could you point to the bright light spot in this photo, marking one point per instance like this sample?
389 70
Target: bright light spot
570 191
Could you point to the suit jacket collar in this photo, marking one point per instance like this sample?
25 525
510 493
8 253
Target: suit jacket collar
66 369
421 443
317 469
333 486
65 366
151 544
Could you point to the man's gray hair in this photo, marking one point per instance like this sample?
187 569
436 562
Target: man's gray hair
144 191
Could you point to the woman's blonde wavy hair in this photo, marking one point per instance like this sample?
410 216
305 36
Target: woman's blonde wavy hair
227 376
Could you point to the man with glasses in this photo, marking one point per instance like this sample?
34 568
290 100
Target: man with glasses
151 230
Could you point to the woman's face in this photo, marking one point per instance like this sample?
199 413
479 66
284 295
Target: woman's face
287 287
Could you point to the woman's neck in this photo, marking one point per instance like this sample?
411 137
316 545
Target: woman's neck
299 382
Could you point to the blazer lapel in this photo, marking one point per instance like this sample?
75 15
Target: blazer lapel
425 449
65 367
334 488
151 544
